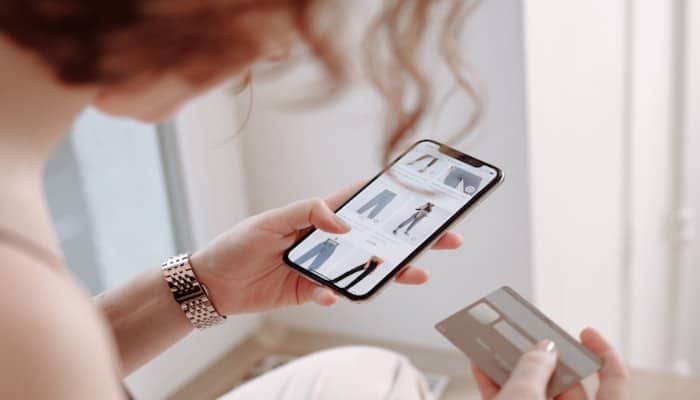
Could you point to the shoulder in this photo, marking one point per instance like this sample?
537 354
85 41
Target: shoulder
53 342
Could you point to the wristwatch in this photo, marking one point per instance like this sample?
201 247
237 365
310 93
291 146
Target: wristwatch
189 293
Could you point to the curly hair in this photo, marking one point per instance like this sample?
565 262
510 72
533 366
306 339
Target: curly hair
109 42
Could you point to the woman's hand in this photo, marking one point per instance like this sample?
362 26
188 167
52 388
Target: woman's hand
529 378
243 268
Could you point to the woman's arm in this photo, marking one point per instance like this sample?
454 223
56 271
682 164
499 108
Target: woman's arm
244 272
145 318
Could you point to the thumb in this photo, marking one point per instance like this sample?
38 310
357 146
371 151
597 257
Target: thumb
530 377
304 214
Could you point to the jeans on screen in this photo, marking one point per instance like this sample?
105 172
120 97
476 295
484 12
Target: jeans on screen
377 203
320 253
373 264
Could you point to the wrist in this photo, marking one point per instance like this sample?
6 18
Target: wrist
204 268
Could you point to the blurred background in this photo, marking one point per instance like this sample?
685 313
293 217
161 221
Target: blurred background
589 111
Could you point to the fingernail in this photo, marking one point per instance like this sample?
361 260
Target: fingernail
340 222
546 345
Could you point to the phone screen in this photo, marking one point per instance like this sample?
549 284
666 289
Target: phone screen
392 223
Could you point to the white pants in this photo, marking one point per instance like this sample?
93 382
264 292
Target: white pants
356 372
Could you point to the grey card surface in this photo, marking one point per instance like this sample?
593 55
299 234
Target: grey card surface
495 330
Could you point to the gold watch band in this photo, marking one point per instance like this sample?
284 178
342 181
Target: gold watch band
189 293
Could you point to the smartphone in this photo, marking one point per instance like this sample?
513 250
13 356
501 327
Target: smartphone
392 223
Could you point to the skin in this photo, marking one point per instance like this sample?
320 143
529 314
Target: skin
528 380
55 335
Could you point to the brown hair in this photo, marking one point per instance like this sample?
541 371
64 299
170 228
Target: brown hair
112 41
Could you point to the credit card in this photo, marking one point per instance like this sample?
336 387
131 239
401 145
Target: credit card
497 329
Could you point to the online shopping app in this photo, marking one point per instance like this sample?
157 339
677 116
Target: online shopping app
390 221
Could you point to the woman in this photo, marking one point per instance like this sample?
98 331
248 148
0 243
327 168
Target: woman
143 59
416 217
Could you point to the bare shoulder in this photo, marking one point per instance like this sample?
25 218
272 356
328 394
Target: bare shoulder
53 342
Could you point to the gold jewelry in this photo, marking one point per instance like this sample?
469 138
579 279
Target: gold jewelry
189 293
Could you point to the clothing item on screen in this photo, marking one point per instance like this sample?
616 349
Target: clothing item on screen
368 268
432 162
377 203
421 212
413 220
320 253
470 182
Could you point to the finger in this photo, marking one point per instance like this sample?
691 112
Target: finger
488 388
309 291
323 296
303 214
577 392
413 276
613 376
448 241
530 376
336 199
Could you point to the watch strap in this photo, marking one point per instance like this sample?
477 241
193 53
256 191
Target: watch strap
190 293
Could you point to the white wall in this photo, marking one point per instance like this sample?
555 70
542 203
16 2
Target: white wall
686 352
295 155
651 103
614 172
576 109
